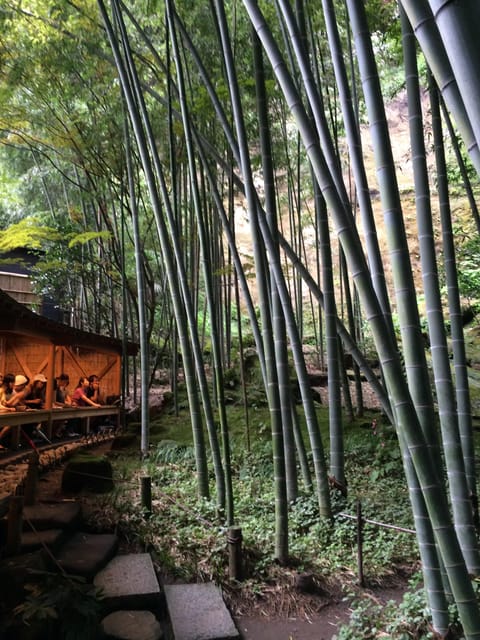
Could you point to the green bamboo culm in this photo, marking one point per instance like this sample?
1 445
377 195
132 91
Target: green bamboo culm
278 320
461 504
463 404
459 25
142 324
432 43
406 418
226 495
136 120
281 508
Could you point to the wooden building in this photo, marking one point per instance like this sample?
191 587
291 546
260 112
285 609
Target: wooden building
31 344
15 268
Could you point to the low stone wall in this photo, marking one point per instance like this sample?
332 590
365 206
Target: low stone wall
14 471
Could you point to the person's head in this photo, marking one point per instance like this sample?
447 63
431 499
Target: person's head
20 383
83 382
93 380
8 380
39 380
63 380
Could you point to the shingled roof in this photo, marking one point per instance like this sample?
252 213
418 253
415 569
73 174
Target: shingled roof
17 318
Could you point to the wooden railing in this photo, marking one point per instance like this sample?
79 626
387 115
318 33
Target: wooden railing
47 417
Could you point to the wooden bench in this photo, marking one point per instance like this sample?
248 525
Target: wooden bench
49 416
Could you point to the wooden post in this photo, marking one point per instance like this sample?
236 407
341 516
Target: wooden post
147 496
31 480
50 390
14 526
235 564
361 578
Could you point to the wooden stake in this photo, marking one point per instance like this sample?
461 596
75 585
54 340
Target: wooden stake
147 496
361 578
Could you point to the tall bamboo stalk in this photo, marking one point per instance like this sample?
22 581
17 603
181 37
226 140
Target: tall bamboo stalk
464 410
406 419
281 511
421 18
142 325
278 321
226 484
455 467
131 98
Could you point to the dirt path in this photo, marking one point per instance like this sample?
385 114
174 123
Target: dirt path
320 627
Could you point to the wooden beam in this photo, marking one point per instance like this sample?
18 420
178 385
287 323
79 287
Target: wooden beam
106 368
76 361
22 362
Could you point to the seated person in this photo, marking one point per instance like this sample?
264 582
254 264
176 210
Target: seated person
21 388
62 397
93 391
16 400
80 397
6 392
35 397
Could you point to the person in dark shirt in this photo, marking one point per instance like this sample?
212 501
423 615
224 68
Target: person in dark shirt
62 397
35 398
93 390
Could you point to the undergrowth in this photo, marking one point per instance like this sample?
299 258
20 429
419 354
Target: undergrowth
189 541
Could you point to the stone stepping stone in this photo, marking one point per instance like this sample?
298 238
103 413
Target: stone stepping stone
198 612
33 540
129 582
131 625
85 554
48 515
53 515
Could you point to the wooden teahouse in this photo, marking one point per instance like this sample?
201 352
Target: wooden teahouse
31 344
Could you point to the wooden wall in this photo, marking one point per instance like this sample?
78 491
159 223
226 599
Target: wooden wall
19 287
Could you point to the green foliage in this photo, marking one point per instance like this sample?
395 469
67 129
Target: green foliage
88 236
27 233
380 448
186 533
67 606
408 619
170 452
468 266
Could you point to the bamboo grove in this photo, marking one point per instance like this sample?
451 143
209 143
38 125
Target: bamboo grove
218 113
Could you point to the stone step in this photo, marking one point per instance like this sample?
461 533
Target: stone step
53 515
85 554
34 540
198 612
129 582
47 515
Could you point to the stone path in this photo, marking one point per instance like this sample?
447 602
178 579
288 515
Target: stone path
134 605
